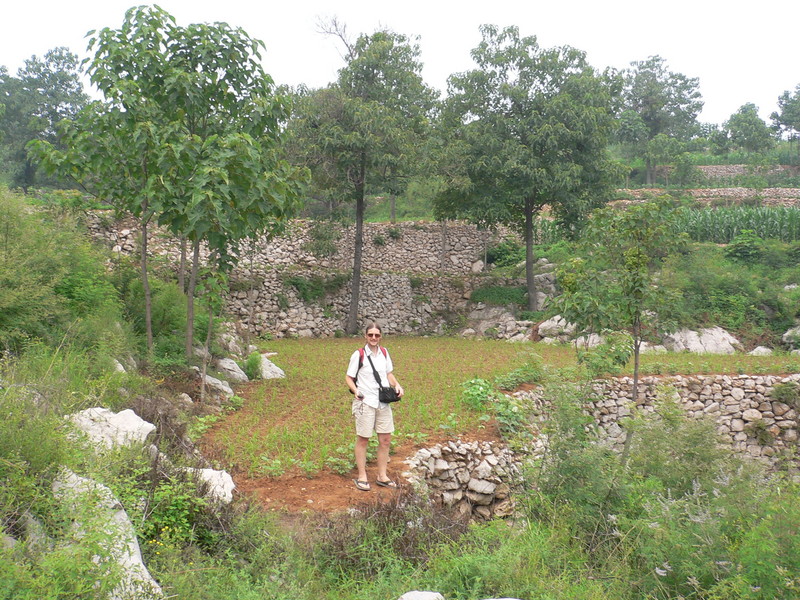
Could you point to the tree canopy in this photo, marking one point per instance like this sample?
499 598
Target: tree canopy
363 130
748 132
527 128
657 102
45 91
187 134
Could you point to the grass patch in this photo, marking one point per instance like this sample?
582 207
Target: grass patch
281 418
303 422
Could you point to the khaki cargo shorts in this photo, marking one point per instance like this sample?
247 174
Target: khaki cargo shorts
369 420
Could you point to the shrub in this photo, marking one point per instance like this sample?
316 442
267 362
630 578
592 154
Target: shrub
531 372
609 357
746 247
500 295
788 393
385 537
477 393
252 366
324 235
314 288
507 252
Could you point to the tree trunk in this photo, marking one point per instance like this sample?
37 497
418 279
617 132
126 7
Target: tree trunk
532 304
182 266
649 169
206 354
148 301
637 346
190 299
355 290
393 207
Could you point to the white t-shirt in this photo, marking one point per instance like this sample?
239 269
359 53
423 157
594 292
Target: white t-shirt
365 379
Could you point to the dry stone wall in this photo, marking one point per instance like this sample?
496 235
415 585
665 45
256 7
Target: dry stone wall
746 414
415 276
475 478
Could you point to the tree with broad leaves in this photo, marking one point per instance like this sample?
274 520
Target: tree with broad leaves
187 136
657 102
45 91
615 285
787 120
748 131
527 128
363 131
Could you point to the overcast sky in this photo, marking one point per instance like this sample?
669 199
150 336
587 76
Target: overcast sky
740 53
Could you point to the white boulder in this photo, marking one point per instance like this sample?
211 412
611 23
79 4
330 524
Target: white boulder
230 370
107 522
106 428
556 327
714 340
760 351
269 370
219 484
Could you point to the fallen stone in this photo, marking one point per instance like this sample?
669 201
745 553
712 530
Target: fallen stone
106 428
230 370
219 484
270 370
110 525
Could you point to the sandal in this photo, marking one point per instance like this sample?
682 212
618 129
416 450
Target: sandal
362 485
387 484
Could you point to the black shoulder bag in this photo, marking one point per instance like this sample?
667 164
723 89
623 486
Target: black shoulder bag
385 394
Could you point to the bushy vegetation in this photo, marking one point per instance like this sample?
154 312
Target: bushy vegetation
679 516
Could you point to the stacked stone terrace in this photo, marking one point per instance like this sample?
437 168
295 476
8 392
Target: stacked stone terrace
746 414
414 275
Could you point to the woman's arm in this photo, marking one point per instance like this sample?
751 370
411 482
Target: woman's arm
395 384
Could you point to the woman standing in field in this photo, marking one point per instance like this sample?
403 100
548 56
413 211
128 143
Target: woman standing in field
372 415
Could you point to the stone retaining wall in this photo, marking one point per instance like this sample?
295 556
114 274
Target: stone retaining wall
741 405
731 195
416 277
476 478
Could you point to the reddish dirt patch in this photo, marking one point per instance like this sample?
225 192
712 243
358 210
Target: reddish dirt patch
328 492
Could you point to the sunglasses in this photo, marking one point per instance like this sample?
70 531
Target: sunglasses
375 335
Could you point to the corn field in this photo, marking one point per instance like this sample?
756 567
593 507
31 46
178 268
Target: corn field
721 225
546 231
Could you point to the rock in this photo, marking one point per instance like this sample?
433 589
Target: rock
556 327
589 341
108 429
760 351
792 337
648 348
109 524
219 484
751 414
270 370
221 390
230 370
421 596
706 341
481 486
